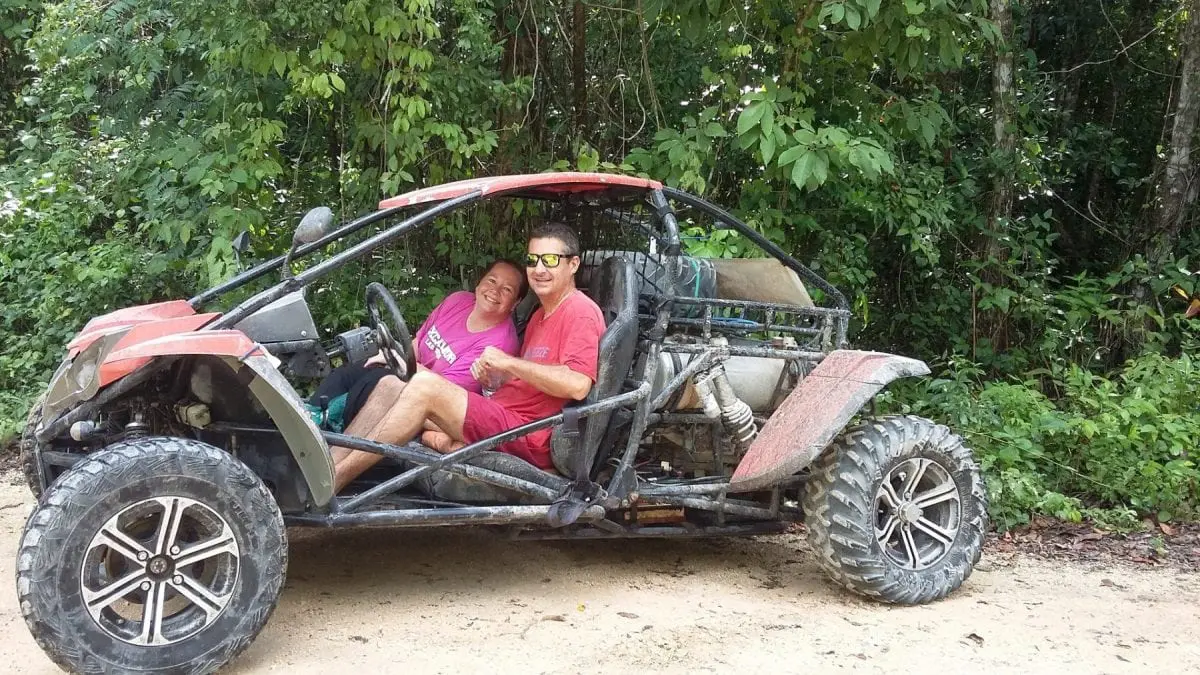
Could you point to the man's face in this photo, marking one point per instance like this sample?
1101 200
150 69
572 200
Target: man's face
551 282
496 292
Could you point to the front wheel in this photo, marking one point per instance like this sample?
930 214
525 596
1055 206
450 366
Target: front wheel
152 555
896 510
28 447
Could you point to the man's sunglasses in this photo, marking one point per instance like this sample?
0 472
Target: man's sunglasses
550 260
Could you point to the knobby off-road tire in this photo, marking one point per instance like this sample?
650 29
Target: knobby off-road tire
896 510
28 444
155 527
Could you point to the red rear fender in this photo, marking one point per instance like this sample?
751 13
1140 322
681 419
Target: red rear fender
817 411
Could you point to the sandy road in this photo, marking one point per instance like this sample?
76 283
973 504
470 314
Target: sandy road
449 601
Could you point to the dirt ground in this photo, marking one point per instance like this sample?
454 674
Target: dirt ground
456 601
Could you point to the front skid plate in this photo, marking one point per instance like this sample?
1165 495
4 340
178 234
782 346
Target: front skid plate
812 415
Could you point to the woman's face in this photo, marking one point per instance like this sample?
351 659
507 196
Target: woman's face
496 293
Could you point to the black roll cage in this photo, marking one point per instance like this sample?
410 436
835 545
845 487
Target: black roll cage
622 491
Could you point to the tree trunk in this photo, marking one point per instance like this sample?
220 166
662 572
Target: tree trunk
993 324
1003 109
579 73
1175 192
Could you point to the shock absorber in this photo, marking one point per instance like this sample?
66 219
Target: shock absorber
138 426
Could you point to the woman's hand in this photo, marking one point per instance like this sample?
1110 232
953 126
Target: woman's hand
379 360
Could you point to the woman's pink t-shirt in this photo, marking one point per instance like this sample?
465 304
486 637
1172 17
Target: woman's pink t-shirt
445 346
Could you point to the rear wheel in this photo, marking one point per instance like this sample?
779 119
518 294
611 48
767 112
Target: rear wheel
896 510
158 554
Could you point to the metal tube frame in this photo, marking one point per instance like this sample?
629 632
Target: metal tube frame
324 267
346 511
686 373
720 505
430 463
435 517
423 457
723 216
262 269
624 479
747 350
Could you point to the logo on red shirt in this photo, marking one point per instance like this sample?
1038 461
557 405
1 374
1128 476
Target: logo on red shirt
537 353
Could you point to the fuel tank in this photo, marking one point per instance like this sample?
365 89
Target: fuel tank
754 378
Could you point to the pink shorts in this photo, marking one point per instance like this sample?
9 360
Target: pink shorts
486 418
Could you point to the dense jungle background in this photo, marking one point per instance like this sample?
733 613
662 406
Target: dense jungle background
1005 188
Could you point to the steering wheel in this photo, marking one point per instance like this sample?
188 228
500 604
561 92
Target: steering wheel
393 336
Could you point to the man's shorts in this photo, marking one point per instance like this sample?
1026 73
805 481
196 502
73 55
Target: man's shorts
486 418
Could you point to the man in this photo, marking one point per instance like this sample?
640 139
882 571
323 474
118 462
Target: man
558 363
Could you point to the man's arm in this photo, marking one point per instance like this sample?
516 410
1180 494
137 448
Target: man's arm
556 380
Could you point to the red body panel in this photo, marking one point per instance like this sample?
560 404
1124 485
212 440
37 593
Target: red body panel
159 329
125 318
112 370
544 183
817 411
216 342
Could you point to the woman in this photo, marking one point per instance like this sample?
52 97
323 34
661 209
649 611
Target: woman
449 341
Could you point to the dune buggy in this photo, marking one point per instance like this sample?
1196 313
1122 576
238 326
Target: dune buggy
171 447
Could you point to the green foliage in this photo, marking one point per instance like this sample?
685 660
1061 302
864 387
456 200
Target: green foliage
1134 436
1104 448
147 135
138 138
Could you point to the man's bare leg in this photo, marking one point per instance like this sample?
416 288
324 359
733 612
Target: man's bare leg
379 402
426 396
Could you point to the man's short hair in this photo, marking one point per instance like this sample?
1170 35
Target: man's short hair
522 287
555 230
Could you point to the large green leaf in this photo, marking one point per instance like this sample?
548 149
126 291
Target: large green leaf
751 117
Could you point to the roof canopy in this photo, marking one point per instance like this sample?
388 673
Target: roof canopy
541 185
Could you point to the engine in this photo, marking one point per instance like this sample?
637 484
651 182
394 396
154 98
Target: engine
709 423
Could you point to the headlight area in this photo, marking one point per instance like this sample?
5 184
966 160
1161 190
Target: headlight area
78 379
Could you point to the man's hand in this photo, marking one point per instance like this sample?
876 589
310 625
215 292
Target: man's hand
492 368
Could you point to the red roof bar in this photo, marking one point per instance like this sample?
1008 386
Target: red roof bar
548 184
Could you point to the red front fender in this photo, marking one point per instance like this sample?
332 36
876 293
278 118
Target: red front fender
815 412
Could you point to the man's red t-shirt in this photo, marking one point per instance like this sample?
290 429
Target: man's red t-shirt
570 336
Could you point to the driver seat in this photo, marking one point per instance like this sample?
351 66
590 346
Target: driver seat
613 286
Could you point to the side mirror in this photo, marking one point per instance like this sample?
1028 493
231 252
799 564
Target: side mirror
312 227
240 244
242 241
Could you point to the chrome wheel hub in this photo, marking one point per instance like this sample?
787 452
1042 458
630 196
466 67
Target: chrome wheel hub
917 513
909 513
160 571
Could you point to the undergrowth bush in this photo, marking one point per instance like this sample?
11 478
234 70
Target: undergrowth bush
63 259
1106 449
